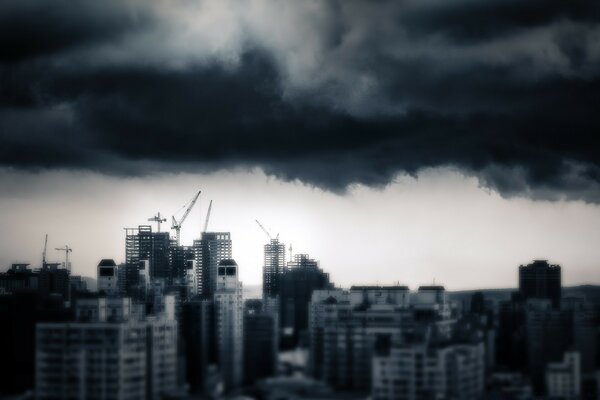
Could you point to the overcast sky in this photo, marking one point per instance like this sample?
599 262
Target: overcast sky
314 117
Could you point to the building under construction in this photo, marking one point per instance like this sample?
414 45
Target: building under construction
273 268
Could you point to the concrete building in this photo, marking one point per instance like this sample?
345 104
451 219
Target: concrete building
111 351
108 277
229 323
563 379
415 372
209 251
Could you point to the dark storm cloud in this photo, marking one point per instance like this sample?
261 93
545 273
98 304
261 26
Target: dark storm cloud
330 93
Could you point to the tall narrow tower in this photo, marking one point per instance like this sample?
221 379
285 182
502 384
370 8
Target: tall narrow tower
229 323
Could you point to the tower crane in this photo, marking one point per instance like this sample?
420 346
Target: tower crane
157 218
67 250
207 217
177 224
265 230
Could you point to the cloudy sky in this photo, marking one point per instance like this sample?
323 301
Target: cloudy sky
392 140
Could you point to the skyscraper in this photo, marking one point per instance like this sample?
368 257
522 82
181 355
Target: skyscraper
229 323
273 268
209 251
300 279
540 280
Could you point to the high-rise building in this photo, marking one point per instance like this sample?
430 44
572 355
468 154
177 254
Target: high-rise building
346 328
198 341
229 323
301 277
143 244
209 251
108 276
273 268
110 352
540 280
260 342
549 335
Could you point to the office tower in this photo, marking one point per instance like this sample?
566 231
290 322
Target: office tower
260 342
110 352
209 251
274 265
563 379
301 277
108 277
229 323
540 280
198 341
347 326
143 244
429 371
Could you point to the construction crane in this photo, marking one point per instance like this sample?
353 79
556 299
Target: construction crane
157 218
264 229
67 250
207 217
177 224
44 253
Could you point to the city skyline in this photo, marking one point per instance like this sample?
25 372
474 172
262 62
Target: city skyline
308 217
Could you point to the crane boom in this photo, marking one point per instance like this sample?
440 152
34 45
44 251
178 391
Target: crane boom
177 224
44 253
264 229
207 217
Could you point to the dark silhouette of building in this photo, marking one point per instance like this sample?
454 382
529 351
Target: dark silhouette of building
301 278
260 342
198 341
540 280
19 313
